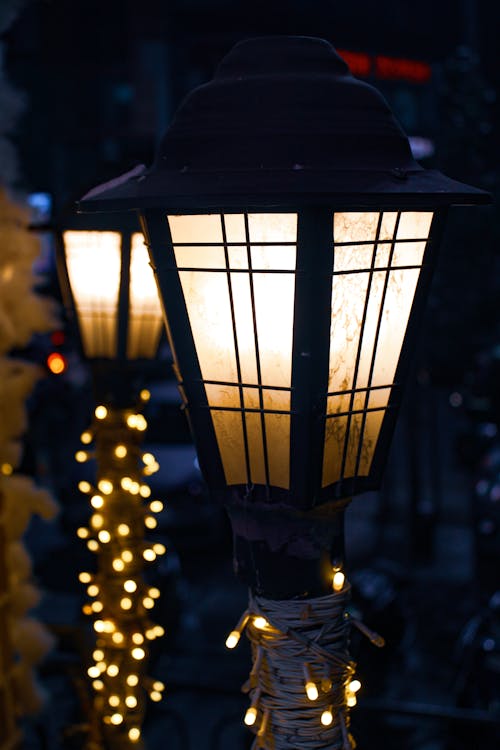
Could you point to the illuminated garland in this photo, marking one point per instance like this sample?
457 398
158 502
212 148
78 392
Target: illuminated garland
121 598
302 682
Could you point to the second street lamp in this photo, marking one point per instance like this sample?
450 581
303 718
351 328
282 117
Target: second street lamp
293 238
109 287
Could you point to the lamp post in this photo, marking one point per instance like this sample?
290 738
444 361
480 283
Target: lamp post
293 237
107 281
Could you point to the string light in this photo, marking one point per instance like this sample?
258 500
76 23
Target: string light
327 717
310 685
234 636
145 394
97 501
121 655
338 580
156 506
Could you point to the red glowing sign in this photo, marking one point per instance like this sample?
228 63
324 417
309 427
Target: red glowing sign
388 68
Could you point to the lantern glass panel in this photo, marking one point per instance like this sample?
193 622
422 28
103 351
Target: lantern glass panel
376 267
95 294
145 316
237 273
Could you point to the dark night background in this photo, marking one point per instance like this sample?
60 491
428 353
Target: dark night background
101 81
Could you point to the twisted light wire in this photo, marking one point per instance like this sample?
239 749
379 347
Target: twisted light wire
299 642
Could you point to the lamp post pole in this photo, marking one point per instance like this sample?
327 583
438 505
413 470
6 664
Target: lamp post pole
292 237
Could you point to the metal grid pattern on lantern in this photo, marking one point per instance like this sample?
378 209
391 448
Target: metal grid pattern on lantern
240 276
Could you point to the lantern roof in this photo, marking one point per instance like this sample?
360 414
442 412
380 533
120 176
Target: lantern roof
283 121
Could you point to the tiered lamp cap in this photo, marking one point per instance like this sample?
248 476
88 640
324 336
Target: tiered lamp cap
283 121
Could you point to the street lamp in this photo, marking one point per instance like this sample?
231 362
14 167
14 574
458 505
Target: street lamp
107 281
293 238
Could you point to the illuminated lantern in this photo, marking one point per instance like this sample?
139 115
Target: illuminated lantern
107 281
293 238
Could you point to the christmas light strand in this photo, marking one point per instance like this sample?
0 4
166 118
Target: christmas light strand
120 599
302 684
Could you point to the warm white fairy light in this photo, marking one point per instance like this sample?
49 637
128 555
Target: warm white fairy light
81 456
86 437
101 412
116 536
97 501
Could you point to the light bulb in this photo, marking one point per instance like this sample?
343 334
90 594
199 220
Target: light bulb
351 700
159 549
93 589
130 586
118 564
84 577
104 536
137 638
148 602
338 580
98 654
113 670
81 456
312 691
148 458
132 421
87 609
7 469
82 532
116 719
97 501
327 717
156 506
260 623
86 437
132 680
118 638
127 555
123 529
150 522
250 716
140 423
354 686
114 700
93 672
97 607
158 685
233 639
159 631
138 653
101 412
109 626
134 734
131 701
145 394
84 486
98 684
99 626
96 521
126 483
93 545
105 486
144 490
154 592
155 696
134 488
126 603
149 555
121 451
150 634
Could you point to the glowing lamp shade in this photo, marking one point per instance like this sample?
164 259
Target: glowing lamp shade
241 276
98 269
